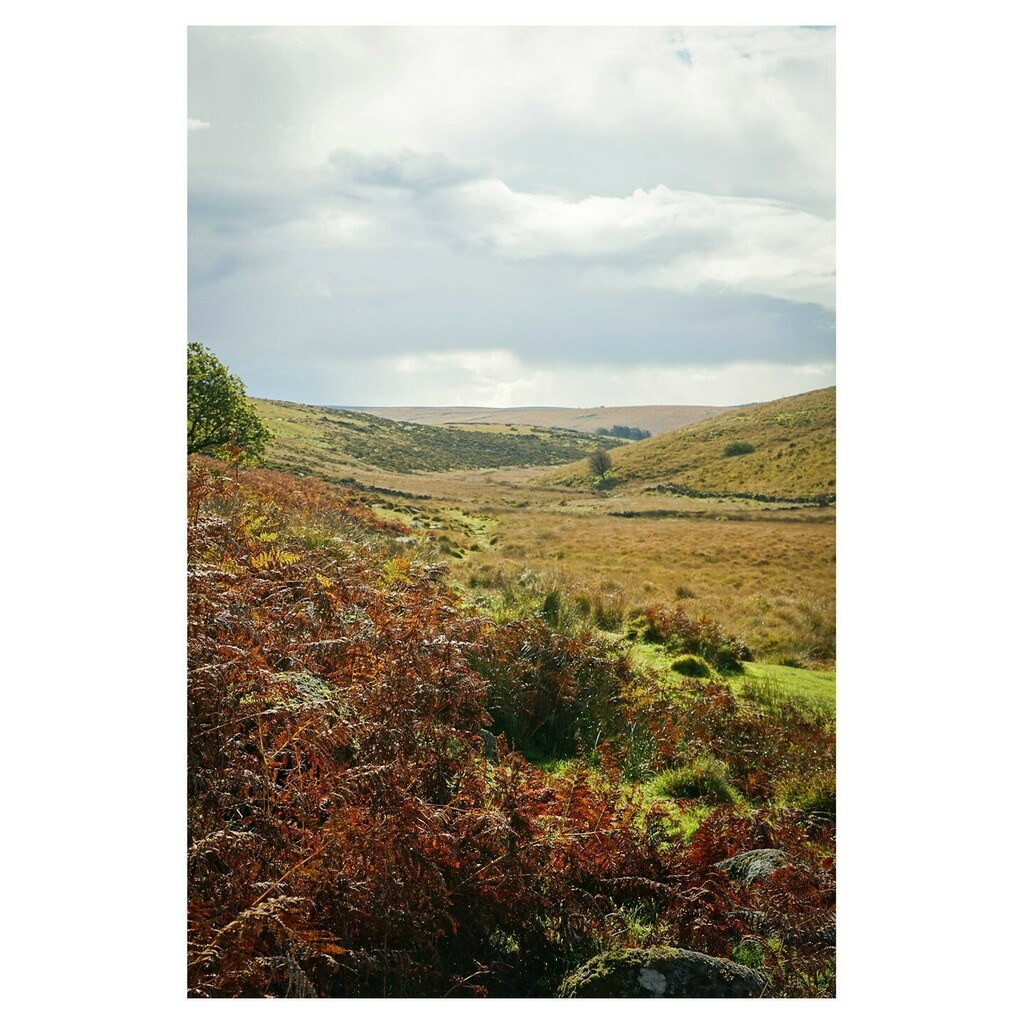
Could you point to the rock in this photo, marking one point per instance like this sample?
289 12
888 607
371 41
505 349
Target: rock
490 744
662 973
754 864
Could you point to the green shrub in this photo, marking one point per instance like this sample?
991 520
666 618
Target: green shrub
737 448
813 794
561 696
550 610
679 632
693 666
609 613
704 778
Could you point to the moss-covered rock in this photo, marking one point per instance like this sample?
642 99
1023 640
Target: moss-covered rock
754 864
663 972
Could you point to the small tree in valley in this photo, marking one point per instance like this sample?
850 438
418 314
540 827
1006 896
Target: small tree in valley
600 462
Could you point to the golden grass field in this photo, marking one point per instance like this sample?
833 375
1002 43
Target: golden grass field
766 571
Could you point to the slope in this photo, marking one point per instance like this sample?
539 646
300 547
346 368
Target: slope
330 442
785 449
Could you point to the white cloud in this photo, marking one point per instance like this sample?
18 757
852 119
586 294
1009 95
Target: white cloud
684 241
601 110
593 197
498 378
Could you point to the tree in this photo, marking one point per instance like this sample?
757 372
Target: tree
600 462
219 415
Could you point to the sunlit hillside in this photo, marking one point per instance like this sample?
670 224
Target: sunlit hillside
784 449
331 442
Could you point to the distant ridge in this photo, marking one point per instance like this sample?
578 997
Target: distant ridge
330 441
654 418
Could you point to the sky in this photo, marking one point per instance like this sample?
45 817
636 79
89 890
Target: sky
513 216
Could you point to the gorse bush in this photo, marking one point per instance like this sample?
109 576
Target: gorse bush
737 448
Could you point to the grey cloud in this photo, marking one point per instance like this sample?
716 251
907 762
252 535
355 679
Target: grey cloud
383 193
405 169
388 306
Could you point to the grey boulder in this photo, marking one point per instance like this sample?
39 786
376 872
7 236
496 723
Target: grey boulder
663 972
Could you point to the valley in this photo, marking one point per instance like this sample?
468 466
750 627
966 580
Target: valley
474 708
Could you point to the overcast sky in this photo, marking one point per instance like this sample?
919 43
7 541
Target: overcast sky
514 216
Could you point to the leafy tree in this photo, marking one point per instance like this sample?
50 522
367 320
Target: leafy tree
218 413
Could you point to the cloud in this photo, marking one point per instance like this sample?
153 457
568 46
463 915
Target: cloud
661 238
653 239
402 169
558 199
499 378
587 109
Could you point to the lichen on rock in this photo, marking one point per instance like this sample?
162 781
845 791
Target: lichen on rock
662 972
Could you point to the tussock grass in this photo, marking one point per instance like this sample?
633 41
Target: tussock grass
704 778
772 582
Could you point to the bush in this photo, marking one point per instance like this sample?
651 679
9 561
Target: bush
347 835
702 636
737 448
599 462
704 778
814 793
692 666
561 696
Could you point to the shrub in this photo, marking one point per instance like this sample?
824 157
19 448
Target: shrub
813 793
704 778
599 463
693 666
560 696
551 609
702 636
737 448
609 612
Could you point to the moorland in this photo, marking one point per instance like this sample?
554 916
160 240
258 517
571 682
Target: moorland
473 702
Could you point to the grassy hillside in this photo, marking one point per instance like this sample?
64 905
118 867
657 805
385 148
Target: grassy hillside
654 418
784 449
314 439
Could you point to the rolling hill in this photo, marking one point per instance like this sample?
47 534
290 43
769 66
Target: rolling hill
654 418
781 450
330 442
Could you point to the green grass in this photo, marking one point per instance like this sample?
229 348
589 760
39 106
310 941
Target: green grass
817 687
